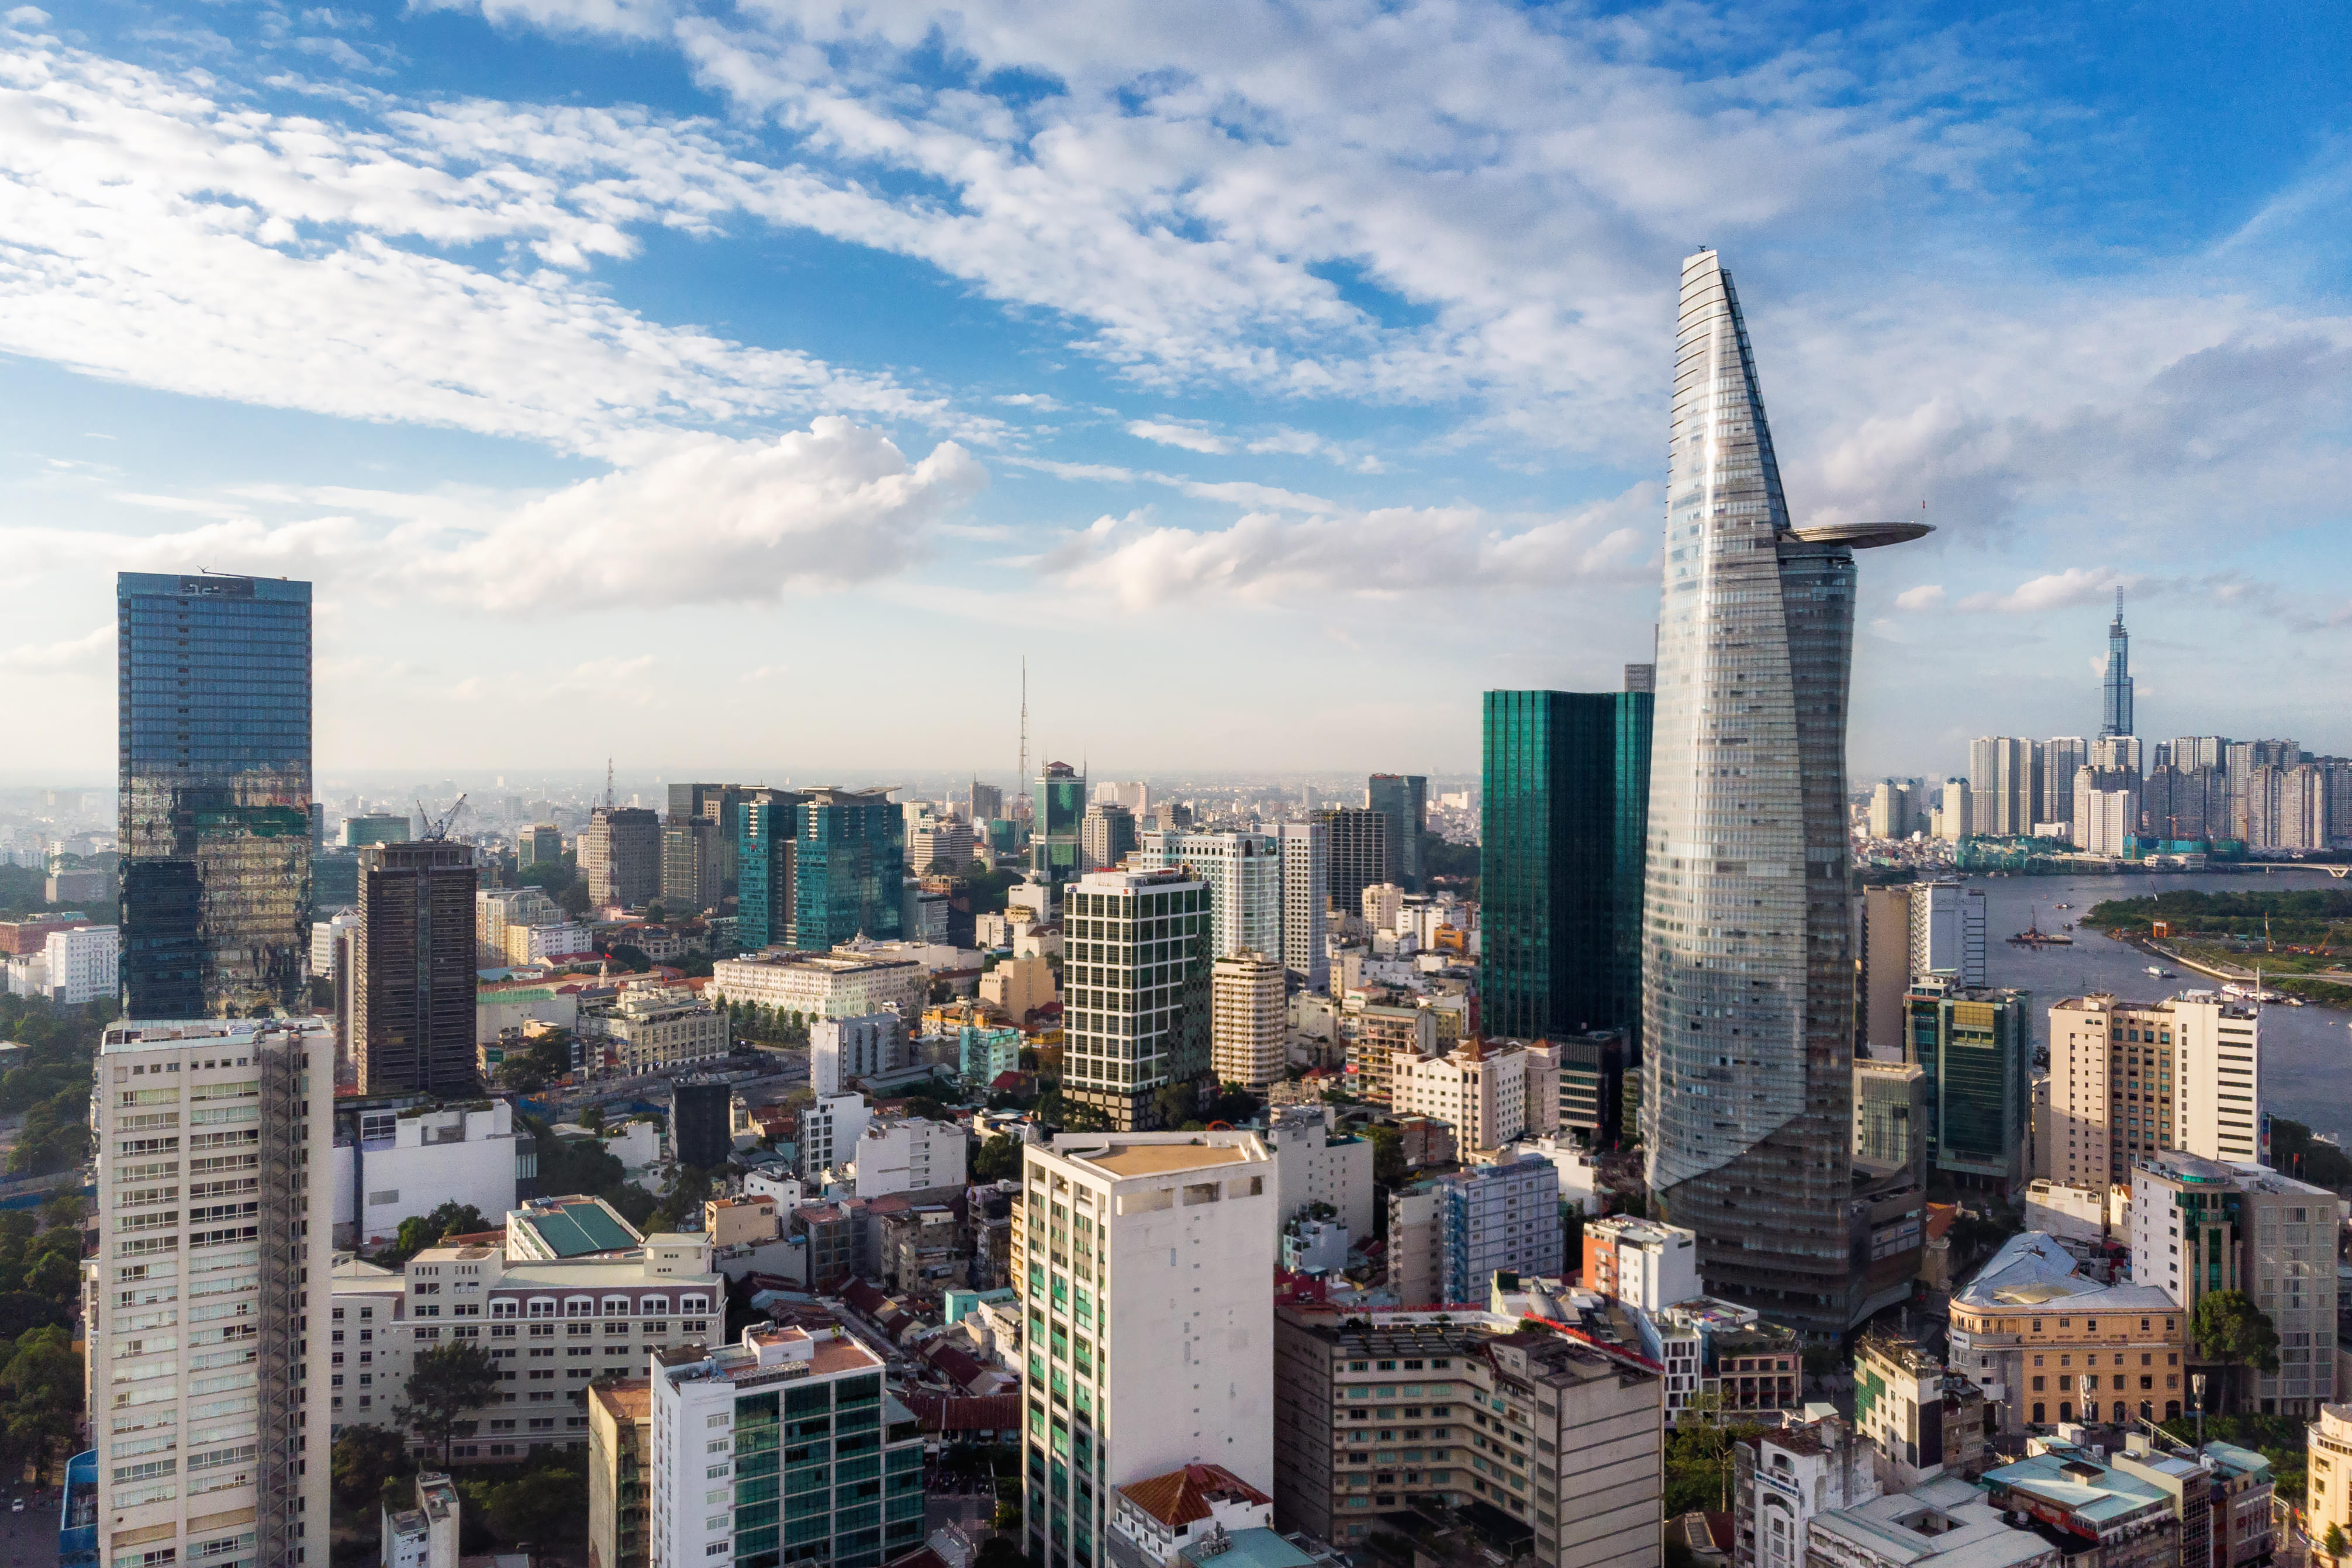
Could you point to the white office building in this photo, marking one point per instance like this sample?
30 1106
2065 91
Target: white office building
1306 851
1948 930
2131 1078
831 1126
1243 871
1149 1258
654 1027
908 1155
822 985
206 1299
1316 1164
789 1414
496 909
843 1050
1646 1263
1489 1092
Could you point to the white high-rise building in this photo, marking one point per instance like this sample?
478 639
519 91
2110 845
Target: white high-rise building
735 1425
1149 1258
1489 1092
908 1155
843 1050
1305 850
2062 758
2104 818
1948 930
82 964
1248 1019
1243 871
1957 820
831 1126
2129 1079
207 1301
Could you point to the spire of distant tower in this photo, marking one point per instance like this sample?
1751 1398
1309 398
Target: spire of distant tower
608 784
2116 715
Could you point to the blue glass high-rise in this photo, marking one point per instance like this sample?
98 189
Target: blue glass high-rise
213 767
849 866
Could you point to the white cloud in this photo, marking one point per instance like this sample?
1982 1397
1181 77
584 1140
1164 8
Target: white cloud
138 209
2076 585
709 521
1926 596
1284 441
1137 562
27 16
1191 437
93 651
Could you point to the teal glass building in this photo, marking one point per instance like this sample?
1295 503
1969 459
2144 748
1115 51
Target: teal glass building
1564 806
849 865
214 678
767 829
1054 853
1976 1047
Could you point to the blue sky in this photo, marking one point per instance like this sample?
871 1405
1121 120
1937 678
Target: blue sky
750 386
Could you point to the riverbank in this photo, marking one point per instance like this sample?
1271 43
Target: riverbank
2324 990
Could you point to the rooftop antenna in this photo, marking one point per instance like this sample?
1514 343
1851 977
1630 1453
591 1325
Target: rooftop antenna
608 782
1025 724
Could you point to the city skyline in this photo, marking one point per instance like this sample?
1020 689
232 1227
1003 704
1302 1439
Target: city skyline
1081 376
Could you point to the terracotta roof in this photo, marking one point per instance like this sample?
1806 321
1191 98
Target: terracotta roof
954 1364
1181 1497
946 1413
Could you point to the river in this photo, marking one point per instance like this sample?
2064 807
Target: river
2306 1051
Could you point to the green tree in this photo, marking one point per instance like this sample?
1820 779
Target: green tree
591 1117
1175 1103
446 1382
2226 1327
418 1232
40 1396
1388 1156
2333 1544
365 1458
544 1505
629 956
997 1160
689 1187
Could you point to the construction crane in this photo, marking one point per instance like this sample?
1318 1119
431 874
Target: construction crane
438 831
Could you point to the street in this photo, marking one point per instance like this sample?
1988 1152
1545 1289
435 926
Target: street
30 1537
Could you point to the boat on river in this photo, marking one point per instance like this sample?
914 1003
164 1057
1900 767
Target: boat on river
2033 936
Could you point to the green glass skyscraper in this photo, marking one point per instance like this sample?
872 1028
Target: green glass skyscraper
1564 805
768 829
1054 853
849 866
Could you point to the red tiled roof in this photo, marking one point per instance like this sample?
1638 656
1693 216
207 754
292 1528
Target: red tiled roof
956 1364
1181 1497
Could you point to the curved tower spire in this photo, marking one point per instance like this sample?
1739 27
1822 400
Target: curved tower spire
1747 973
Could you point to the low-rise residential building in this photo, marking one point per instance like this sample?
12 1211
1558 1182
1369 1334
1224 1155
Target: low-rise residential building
1376 1411
812 986
1644 1263
408 1154
620 1472
2076 1210
1946 1524
1449 1235
1016 987
908 1155
561 942
1315 1162
1377 1035
747 1221
1923 1419
1492 1091
1156 1520
2048 1344
2126 1514
790 1421
424 1536
923 1251
1781 1480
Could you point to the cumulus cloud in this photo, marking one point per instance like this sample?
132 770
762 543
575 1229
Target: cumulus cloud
1926 596
1137 561
2074 586
710 520
94 649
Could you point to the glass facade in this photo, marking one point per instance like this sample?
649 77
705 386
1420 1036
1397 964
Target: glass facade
819 1478
1403 799
1975 1047
1565 782
214 765
849 864
2116 715
1748 960
1055 851
1136 1011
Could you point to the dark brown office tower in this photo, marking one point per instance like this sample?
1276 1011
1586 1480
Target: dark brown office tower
1362 855
413 970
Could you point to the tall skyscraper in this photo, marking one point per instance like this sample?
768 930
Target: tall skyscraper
621 856
1306 849
2005 777
2130 1078
1105 834
1974 1048
1149 1261
209 1299
1243 872
690 874
214 712
1403 799
1563 801
1360 851
987 802
1748 968
849 865
413 970
1248 1023
2115 709
768 829
1059 812
1136 1008
2061 756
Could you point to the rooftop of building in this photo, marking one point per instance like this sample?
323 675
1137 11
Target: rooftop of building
1246 1549
828 962
1183 1496
2238 1461
1640 1232
2107 1002
182 1033
2099 1494
1946 1522
1908 1354
625 1400
2033 1268
356 1277
1125 1156
576 1225
767 1354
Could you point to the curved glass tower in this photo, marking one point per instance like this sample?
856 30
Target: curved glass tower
2118 717
1747 971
